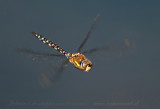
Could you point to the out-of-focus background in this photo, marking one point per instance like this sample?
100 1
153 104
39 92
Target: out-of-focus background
129 80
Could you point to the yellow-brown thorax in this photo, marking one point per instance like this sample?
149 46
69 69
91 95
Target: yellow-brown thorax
80 61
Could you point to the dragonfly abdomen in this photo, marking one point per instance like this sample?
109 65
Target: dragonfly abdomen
51 44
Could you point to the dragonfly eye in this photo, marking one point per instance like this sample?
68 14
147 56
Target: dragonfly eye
88 67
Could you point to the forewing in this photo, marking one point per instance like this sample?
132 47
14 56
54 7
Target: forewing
88 34
38 56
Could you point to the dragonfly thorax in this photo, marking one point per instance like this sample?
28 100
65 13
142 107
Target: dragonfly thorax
80 61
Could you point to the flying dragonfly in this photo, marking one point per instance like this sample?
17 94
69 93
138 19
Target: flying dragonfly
78 59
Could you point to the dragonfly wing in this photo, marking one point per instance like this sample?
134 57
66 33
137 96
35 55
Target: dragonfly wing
88 34
54 69
113 50
96 49
37 56
49 78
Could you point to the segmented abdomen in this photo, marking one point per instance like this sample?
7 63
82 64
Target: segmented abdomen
51 44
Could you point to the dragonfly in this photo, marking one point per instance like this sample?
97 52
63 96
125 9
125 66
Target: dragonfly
78 59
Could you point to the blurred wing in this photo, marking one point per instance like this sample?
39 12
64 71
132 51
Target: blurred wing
37 56
96 49
88 34
113 50
55 65
48 79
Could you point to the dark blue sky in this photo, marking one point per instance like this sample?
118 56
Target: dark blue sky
130 80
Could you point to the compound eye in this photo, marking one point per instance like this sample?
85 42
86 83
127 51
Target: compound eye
88 67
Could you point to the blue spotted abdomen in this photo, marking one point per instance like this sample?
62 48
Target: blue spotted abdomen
51 44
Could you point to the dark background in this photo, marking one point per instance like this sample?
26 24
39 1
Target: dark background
125 82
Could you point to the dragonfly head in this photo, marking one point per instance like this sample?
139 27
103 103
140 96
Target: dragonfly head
87 65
